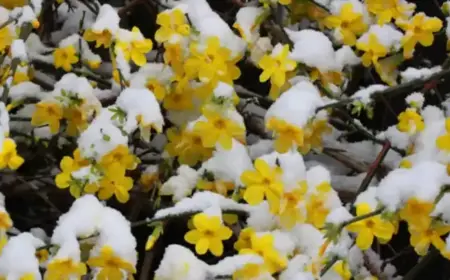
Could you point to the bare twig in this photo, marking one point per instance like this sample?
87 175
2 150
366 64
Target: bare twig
394 91
25 31
38 192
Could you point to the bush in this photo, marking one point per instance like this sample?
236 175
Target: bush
194 139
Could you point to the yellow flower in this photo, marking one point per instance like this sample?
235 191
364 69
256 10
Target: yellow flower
173 26
314 267
286 134
262 182
422 238
216 128
76 120
386 10
316 210
330 77
42 255
65 57
369 228
5 39
419 29
179 101
150 242
11 4
47 113
68 165
313 135
387 68
373 50
20 77
289 213
406 164
27 276
137 48
8 155
276 65
275 91
187 146
410 121
343 270
285 2
210 66
147 180
417 213
230 219
349 23
111 266
443 141
3 241
114 182
244 240
208 234
309 10
119 155
249 271
5 221
65 268
219 186
155 86
264 247
101 38
173 56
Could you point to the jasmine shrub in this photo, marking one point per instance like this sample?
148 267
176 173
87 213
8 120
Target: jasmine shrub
267 185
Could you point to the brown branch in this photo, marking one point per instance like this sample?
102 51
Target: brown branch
407 87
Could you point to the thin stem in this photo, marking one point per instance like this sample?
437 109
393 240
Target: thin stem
362 217
393 91
373 169
424 262
180 215
24 33
328 265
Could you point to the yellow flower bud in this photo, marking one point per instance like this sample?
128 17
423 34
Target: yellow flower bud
35 23
94 64
150 242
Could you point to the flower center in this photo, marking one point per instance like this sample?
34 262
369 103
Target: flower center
370 223
197 140
345 24
417 29
51 111
266 181
65 55
220 124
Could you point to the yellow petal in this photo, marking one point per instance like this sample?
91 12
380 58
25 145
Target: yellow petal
254 195
201 247
364 239
122 194
201 221
192 236
15 162
216 247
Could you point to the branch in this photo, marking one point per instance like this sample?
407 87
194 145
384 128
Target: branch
373 169
362 217
396 90
180 215
24 33
424 262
